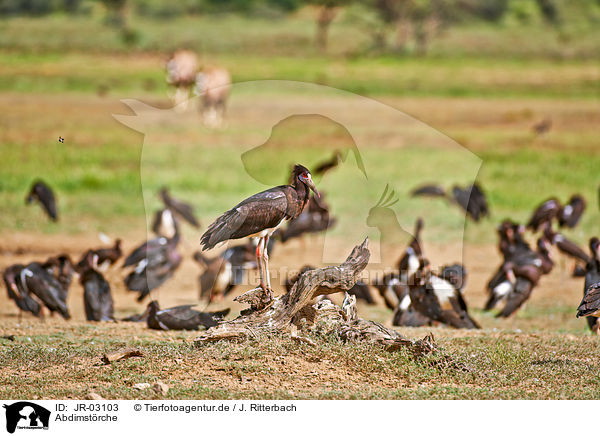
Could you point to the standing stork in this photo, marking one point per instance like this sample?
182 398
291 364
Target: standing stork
42 193
260 215
471 198
179 207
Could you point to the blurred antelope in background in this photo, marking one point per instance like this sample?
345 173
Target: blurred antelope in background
182 68
213 85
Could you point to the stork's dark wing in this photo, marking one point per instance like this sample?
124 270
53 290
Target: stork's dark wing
328 165
301 225
22 299
480 199
460 307
259 212
570 248
151 276
181 208
544 212
45 196
464 198
461 196
497 278
91 299
592 277
48 202
570 214
156 221
429 191
521 292
220 314
362 292
184 311
185 318
315 218
43 285
108 254
447 304
147 249
97 298
591 301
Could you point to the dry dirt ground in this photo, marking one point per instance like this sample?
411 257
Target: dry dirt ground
63 361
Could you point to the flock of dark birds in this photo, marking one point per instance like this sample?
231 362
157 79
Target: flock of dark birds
418 295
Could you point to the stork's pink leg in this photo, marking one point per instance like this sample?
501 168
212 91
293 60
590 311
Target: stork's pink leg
266 258
259 261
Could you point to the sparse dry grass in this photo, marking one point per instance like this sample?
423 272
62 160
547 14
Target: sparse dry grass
65 363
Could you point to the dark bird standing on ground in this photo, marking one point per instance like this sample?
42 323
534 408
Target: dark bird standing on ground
590 306
155 261
511 239
456 274
180 208
437 299
102 257
517 277
542 127
570 214
470 198
225 271
36 280
409 262
591 293
391 289
314 218
260 215
41 192
62 268
165 224
16 292
565 245
97 297
395 293
181 317
328 165
544 213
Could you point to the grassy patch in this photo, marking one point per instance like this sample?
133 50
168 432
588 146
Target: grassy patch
514 367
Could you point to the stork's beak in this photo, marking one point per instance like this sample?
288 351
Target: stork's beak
312 186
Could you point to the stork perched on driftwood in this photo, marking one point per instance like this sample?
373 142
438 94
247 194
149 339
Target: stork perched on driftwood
260 215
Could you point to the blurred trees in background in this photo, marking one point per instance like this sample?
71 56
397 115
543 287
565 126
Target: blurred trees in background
328 10
396 26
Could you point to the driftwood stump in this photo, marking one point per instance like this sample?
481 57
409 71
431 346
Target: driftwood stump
294 312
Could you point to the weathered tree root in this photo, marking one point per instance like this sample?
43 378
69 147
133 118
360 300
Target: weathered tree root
293 312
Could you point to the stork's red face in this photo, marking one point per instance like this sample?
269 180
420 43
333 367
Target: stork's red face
306 178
